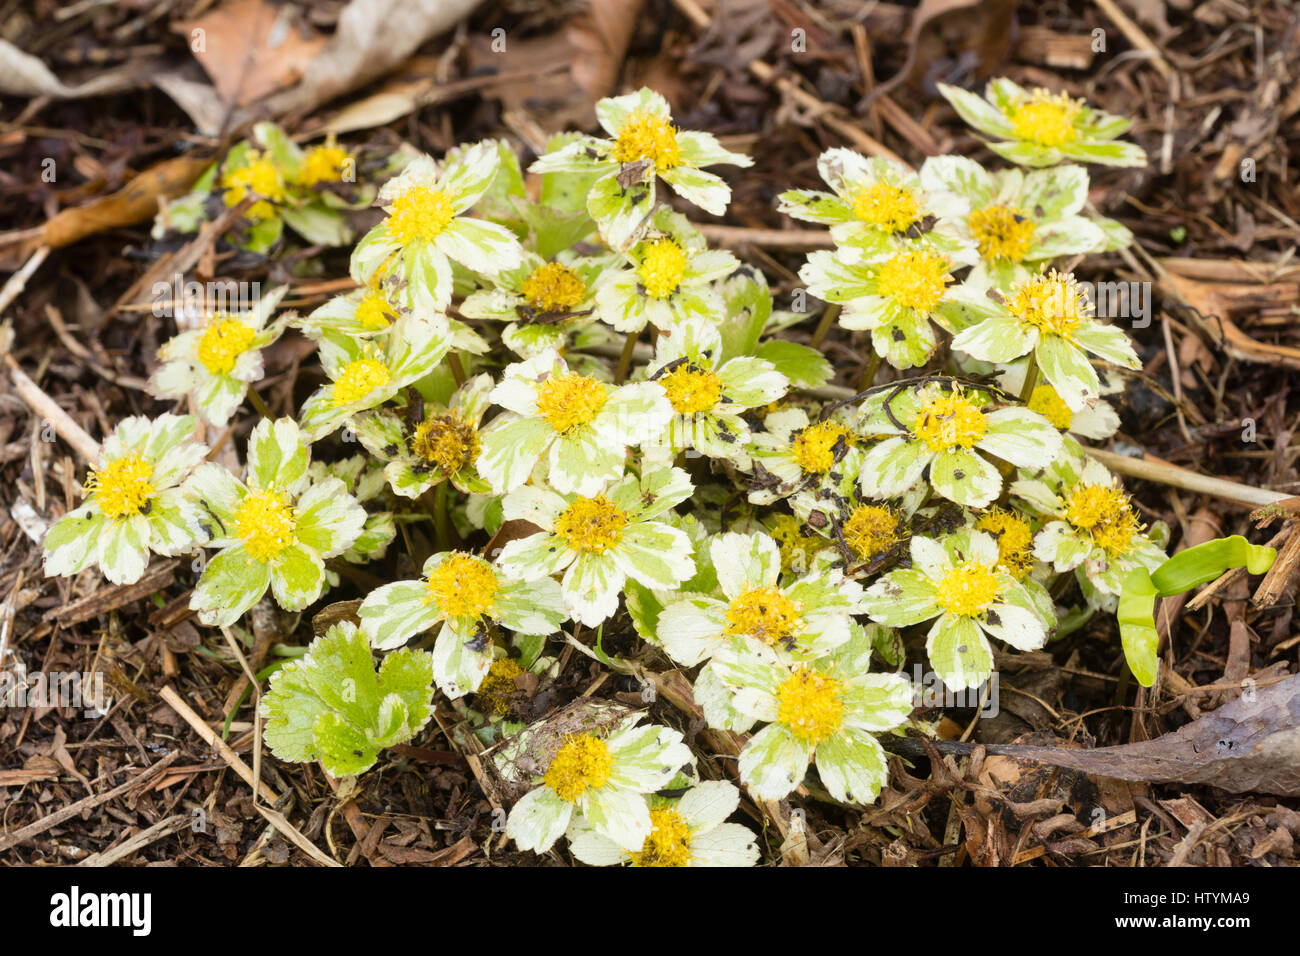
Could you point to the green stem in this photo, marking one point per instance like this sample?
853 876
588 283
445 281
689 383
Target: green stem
262 675
625 358
869 373
440 523
259 404
828 319
1031 380
457 370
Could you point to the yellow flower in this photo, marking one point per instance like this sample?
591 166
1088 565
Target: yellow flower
1045 118
645 135
324 164
914 279
591 524
1015 540
1001 232
968 589
260 178
1047 402
569 400
420 213
663 264
1106 513
264 522
554 287
814 448
811 705
669 842
950 420
446 441
1051 303
123 486
871 530
222 342
887 207
358 379
766 614
462 586
692 390
582 762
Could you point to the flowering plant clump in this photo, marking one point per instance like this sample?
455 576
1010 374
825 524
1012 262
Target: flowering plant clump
561 431
310 191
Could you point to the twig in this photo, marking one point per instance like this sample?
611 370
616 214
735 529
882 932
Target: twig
46 408
213 740
794 240
1187 480
18 281
86 803
163 828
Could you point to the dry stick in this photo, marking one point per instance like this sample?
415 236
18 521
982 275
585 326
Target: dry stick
1139 39
163 828
1187 480
18 281
46 408
213 740
257 710
86 803
792 240
819 110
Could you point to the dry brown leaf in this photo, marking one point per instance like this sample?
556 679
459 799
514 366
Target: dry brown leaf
135 202
250 49
600 36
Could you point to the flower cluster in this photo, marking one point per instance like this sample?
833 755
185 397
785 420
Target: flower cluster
557 426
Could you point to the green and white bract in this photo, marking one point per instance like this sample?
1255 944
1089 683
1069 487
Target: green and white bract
1052 317
136 502
873 203
364 374
600 541
958 581
1018 220
469 596
708 396
218 362
544 302
426 229
796 454
1091 528
944 429
1041 128
827 710
276 531
603 778
582 425
898 295
804 618
669 279
442 446
643 144
332 706
689 831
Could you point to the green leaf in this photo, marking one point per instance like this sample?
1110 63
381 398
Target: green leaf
1187 569
749 306
333 707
